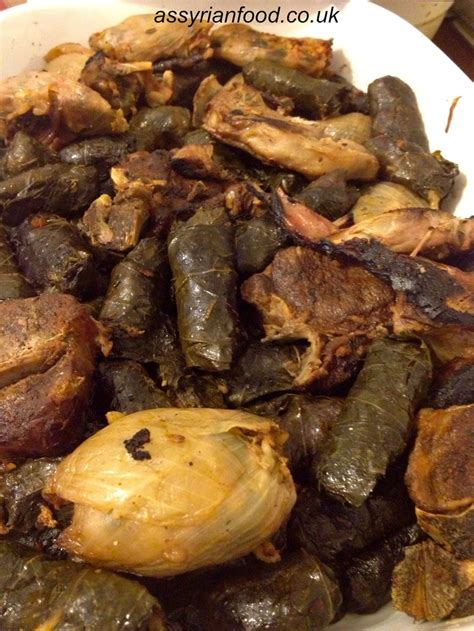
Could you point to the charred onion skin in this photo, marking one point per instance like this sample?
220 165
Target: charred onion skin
49 344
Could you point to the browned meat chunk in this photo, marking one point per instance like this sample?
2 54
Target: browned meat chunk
48 347
440 477
238 116
431 584
117 224
140 38
337 308
68 104
241 45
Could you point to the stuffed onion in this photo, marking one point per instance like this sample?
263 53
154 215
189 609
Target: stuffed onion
130 512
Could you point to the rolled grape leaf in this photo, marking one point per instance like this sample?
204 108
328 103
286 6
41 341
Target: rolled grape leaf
138 290
54 188
334 530
367 579
201 254
20 493
314 98
264 369
24 153
307 420
330 195
36 592
12 282
102 152
431 584
394 111
158 127
297 593
129 387
375 423
54 256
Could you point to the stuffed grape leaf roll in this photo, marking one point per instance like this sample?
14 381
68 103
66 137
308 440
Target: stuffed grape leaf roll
375 423
201 254
54 257
12 283
54 188
38 593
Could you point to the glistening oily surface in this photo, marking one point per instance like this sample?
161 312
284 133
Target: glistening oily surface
400 60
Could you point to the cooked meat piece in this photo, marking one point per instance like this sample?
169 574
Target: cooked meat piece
140 38
299 220
67 60
453 384
207 90
54 256
200 162
47 360
338 308
68 103
431 233
152 170
117 223
241 45
120 84
432 298
440 477
12 283
431 584
238 116
170 192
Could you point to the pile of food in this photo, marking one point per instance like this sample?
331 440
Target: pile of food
237 341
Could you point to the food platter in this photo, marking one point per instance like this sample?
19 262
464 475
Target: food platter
368 42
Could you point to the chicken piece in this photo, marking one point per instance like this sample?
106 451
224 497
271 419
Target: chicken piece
238 116
66 102
440 477
338 308
140 38
200 161
47 359
431 584
120 84
241 44
67 60
117 223
169 191
431 233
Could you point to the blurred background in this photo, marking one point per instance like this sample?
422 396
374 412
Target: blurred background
449 24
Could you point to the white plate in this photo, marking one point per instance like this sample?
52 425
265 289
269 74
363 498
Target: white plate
368 41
